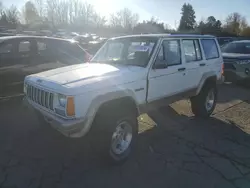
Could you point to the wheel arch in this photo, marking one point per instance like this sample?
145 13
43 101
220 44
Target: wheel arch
207 78
115 98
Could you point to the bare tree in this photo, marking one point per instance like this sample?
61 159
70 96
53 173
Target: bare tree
99 21
235 23
40 7
124 18
1 7
30 12
12 15
51 14
114 20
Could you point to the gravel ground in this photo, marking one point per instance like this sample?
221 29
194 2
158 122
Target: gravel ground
175 150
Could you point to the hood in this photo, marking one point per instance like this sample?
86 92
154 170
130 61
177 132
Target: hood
84 75
235 56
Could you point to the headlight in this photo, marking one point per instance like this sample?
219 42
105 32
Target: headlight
62 100
243 62
67 105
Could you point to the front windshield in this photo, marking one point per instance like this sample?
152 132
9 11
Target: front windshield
130 51
237 47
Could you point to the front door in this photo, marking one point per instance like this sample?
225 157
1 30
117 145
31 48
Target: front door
167 76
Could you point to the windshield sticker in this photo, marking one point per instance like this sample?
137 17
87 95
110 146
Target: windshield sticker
142 48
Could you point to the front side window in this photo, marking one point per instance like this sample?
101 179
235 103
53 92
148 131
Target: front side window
192 50
6 48
170 53
210 48
127 51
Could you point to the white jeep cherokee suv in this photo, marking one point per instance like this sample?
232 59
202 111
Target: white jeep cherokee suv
127 76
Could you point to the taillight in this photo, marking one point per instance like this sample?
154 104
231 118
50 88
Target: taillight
222 69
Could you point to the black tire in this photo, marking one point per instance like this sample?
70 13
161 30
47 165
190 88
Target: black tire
198 103
103 129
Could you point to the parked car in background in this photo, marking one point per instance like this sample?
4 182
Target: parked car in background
25 55
83 39
93 46
236 57
224 40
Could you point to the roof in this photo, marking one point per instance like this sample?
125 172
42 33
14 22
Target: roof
241 41
32 37
167 36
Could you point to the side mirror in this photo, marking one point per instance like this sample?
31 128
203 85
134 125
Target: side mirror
159 65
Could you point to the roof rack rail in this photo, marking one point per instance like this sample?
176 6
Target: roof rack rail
191 34
186 33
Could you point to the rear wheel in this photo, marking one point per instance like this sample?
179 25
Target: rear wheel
204 103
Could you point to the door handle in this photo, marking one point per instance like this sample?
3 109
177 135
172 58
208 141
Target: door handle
181 69
202 64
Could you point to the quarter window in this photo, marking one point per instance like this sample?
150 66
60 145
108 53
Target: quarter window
192 50
24 46
210 48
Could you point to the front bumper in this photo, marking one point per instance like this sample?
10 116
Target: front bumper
69 127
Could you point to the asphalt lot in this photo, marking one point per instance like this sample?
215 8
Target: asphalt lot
175 150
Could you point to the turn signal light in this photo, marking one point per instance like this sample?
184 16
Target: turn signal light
222 70
70 106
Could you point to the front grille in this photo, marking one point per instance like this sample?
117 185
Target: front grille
41 97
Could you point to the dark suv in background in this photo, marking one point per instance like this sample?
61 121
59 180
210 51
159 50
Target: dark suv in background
25 55
236 57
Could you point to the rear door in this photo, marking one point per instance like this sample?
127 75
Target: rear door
46 56
194 62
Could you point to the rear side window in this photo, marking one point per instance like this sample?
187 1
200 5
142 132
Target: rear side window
192 50
24 46
210 48
67 49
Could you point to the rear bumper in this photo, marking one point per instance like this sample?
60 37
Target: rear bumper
221 80
231 75
69 127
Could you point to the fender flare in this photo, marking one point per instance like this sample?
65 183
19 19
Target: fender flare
98 101
205 77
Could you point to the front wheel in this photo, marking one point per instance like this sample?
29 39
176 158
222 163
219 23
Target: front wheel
114 135
122 140
204 103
